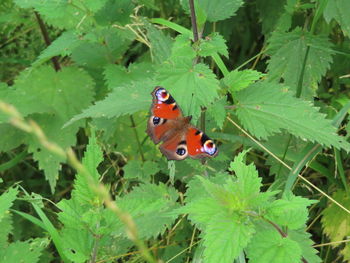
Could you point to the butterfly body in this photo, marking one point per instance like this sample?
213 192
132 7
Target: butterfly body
180 138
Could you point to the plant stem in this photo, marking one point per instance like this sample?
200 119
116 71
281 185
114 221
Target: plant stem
137 137
194 21
47 40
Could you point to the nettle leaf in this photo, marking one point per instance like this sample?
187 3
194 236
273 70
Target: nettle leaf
192 86
60 14
225 238
150 206
43 90
161 44
238 80
288 51
11 137
212 44
216 10
217 111
6 229
268 246
136 169
338 10
336 221
6 201
63 45
305 243
115 12
82 186
121 101
24 252
119 76
49 162
272 14
290 211
266 108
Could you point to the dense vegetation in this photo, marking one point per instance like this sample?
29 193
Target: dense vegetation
268 80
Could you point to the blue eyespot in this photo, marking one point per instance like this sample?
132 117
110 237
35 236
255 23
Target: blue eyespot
181 151
156 120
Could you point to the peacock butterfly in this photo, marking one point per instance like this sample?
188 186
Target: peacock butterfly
180 138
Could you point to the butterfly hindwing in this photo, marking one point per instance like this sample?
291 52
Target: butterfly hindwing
180 138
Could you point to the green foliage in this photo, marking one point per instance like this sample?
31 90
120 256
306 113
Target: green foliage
336 222
266 108
288 53
101 191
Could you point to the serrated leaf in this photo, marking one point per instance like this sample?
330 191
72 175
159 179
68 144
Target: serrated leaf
238 80
11 137
265 109
115 12
290 211
5 229
338 10
150 206
225 238
82 186
161 44
24 252
267 246
63 45
288 51
6 201
217 112
136 169
121 101
212 44
336 221
44 90
216 10
305 243
192 86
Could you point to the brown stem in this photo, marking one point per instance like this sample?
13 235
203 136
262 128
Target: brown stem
194 21
47 40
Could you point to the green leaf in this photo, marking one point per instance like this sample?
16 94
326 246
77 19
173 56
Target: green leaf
136 169
213 43
265 109
42 90
161 44
121 101
192 86
290 211
225 238
6 201
288 51
82 186
11 137
63 45
6 229
338 10
217 112
115 12
267 246
305 243
150 206
216 10
336 221
238 80
24 252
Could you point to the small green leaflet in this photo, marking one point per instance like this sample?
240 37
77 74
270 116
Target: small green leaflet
339 10
216 10
24 252
238 80
6 201
212 44
305 243
83 192
288 51
290 211
266 108
268 246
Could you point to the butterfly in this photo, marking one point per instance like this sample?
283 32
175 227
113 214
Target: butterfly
168 125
